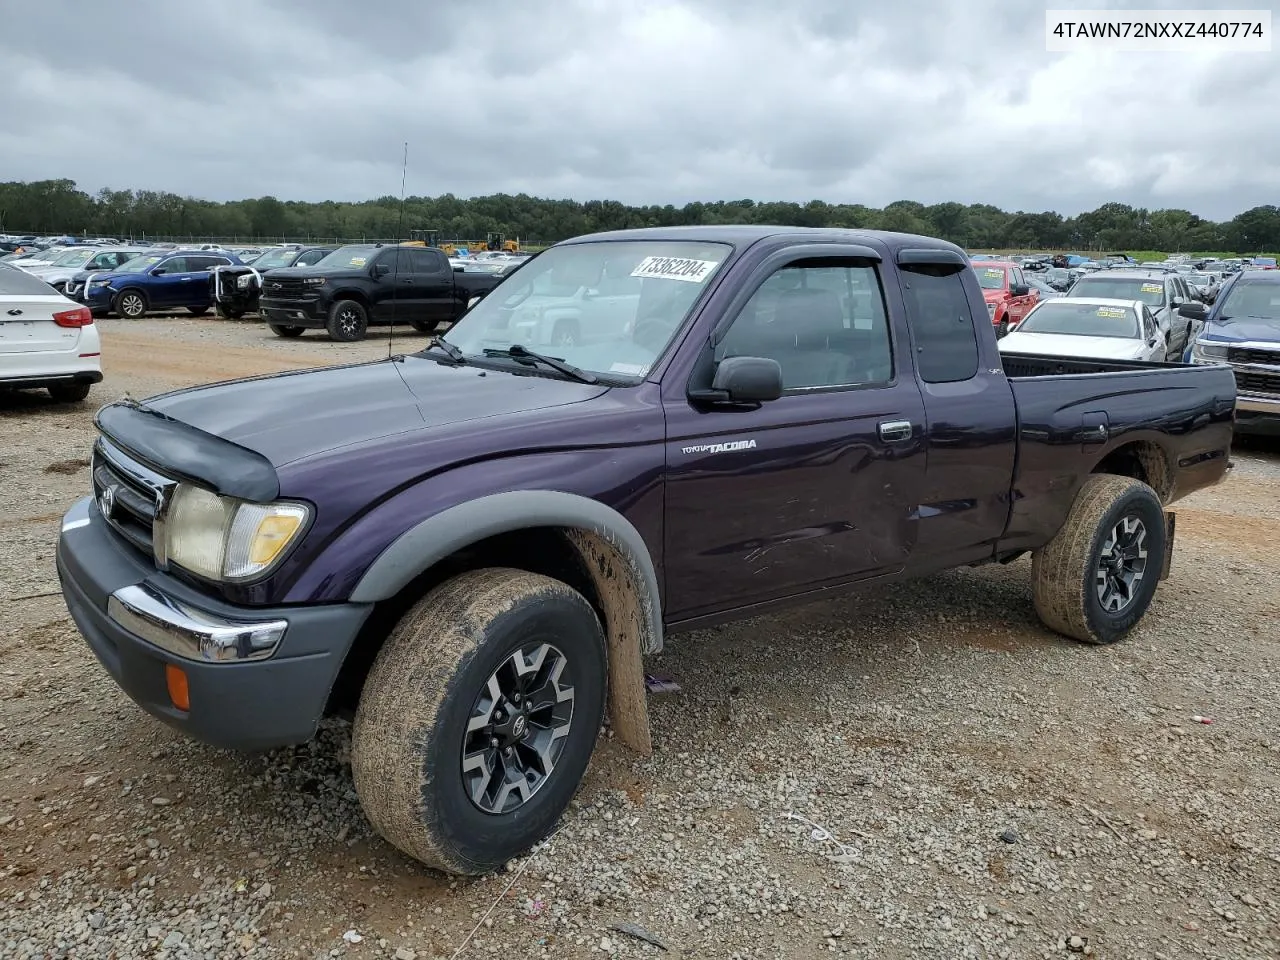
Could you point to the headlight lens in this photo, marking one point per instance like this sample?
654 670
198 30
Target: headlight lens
1208 351
314 281
991 309
101 283
220 538
243 281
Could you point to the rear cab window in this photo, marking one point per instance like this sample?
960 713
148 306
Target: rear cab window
941 322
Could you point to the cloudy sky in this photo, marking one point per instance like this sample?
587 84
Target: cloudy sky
664 101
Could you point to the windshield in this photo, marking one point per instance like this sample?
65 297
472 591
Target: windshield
1081 320
991 278
138 264
275 258
1150 292
73 258
609 308
354 257
1258 300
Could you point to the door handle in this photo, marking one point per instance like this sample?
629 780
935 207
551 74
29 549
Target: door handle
895 431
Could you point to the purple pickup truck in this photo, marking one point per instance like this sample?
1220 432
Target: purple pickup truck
471 548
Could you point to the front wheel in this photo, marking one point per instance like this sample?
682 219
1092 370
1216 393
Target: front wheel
228 313
197 311
131 304
1095 579
1002 329
348 321
281 330
478 718
425 326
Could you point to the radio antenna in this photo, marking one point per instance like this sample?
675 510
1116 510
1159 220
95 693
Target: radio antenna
395 290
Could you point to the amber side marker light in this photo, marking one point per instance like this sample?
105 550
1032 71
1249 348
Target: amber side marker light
176 680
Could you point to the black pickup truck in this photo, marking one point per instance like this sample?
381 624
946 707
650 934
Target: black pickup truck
363 284
471 546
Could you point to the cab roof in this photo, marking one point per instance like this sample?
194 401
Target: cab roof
744 235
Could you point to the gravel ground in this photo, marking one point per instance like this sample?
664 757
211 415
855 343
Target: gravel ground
922 772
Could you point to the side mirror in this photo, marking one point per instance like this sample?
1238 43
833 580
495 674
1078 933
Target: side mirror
747 380
1193 311
458 268
159 271
381 269
1019 289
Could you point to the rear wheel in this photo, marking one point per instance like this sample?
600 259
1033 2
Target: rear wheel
69 392
1002 329
282 331
131 304
1095 579
478 718
425 326
348 321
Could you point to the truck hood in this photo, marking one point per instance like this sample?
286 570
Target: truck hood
287 417
1237 329
1070 345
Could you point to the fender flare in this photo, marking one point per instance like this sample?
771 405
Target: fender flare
435 538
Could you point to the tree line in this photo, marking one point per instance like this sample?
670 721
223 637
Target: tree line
59 207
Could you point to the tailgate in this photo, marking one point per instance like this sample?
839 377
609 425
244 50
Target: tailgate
26 325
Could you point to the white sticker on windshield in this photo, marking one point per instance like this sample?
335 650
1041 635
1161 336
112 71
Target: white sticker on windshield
1114 313
630 369
996 274
1152 288
674 268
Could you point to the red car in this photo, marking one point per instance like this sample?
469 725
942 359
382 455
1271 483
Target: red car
1008 297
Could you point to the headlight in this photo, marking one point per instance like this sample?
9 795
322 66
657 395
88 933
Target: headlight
243 281
1208 352
314 281
220 538
991 309
100 283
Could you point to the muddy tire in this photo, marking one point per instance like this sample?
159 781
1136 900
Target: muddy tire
280 330
348 321
478 718
1095 579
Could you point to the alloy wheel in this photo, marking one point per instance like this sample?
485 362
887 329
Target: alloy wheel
1121 565
517 728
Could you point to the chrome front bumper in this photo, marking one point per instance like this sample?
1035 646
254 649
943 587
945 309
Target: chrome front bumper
190 633
1258 404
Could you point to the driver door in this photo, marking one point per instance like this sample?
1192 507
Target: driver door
166 289
819 486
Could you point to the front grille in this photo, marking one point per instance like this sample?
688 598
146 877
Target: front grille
285 289
135 493
1250 381
1253 355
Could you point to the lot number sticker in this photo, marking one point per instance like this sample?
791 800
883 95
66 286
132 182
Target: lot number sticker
1113 313
674 268
995 274
1152 288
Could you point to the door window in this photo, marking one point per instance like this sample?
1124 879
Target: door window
310 257
941 322
176 265
421 260
824 322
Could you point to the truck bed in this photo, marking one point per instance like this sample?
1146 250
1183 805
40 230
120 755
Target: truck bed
1169 423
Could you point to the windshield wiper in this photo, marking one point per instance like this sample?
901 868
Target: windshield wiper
450 350
522 353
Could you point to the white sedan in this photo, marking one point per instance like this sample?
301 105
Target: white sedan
1088 327
46 340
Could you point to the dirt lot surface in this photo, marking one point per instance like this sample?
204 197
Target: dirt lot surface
922 772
